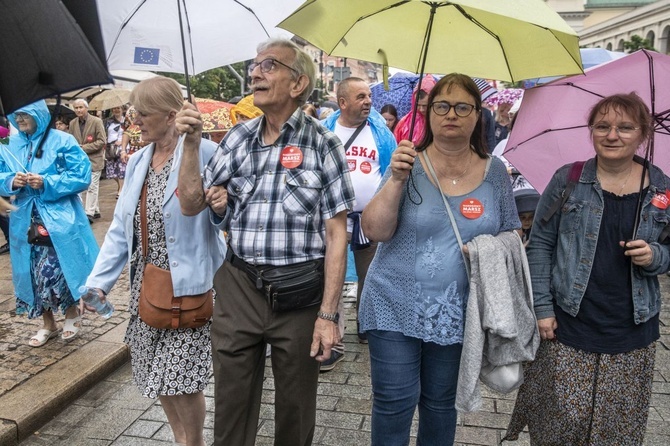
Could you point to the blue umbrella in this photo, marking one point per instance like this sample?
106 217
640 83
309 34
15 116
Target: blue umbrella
401 86
590 58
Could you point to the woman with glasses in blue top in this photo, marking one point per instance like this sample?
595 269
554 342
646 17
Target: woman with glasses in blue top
414 299
596 293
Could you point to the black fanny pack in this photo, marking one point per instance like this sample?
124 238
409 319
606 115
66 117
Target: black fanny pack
286 288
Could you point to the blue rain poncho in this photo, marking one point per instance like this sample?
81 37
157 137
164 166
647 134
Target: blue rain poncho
66 171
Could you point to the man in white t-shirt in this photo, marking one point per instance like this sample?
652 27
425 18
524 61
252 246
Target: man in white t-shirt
368 143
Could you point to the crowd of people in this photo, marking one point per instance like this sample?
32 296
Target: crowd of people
255 229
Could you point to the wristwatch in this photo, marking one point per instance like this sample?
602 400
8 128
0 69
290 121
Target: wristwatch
332 317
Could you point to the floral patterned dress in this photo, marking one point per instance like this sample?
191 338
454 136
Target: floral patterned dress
49 285
164 362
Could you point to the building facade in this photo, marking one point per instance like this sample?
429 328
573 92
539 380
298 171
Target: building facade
650 21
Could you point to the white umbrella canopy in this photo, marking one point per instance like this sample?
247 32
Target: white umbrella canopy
146 34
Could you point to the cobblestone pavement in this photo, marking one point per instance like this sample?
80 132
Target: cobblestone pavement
113 412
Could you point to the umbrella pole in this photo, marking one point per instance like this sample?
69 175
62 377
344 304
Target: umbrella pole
645 167
183 48
649 152
426 41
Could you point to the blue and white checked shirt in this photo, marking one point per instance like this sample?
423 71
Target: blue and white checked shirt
275 214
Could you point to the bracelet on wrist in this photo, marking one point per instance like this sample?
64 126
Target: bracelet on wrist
332 317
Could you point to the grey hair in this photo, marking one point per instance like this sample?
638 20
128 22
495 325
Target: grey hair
79 100
302 63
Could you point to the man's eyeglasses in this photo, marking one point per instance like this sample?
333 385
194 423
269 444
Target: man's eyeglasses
624 131
266 65
461 109
20 116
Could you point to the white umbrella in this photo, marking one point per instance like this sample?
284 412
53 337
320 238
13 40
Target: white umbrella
147 34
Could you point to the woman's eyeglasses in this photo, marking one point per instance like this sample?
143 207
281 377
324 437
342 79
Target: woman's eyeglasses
461 109
266 65
20 116
624 131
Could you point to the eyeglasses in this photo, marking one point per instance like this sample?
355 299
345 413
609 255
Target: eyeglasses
20 116
461 109
266 65
624 131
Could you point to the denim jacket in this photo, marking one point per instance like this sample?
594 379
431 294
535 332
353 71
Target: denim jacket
561 252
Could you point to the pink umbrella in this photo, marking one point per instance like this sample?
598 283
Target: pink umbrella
551 125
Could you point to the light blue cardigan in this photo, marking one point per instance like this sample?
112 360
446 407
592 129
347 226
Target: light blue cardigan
195 250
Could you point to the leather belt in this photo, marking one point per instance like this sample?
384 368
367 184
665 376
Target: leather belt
245 267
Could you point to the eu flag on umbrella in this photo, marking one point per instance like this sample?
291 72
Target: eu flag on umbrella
146 56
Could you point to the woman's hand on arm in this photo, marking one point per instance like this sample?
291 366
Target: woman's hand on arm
217 199
547 327
380 217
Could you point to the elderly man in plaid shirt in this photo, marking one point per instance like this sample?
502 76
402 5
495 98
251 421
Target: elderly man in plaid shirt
279 185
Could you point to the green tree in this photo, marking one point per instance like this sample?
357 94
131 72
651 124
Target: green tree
218 83
637 43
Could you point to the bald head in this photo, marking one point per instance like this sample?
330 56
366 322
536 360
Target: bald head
355 101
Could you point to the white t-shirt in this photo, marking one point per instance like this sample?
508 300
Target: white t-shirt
363 161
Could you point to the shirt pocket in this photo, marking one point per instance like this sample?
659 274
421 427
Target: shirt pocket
302 193
571 216
241 188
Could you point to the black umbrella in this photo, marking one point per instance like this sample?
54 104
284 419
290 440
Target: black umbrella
45 52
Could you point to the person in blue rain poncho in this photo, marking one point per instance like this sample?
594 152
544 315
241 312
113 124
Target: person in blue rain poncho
44 182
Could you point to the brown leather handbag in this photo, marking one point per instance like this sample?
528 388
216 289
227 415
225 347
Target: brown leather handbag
159 308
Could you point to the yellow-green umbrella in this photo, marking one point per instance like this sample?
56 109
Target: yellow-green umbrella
507 40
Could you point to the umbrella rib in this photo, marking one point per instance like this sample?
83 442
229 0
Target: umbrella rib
502 48
511 149
255 16
123 25
395 5
494 35
662 120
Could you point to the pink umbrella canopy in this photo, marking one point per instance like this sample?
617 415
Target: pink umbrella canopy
551 127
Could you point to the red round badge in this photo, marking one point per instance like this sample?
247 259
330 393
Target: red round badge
472 208
366 167
89 138
661 201
43 231
290 157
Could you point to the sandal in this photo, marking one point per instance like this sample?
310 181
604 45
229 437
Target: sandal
42 337
71 325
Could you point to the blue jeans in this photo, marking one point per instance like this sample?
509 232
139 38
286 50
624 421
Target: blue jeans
405 372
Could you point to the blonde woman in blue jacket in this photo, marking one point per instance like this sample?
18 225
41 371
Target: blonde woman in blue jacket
44 181
172 365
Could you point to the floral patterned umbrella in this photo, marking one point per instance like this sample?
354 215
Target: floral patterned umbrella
215 115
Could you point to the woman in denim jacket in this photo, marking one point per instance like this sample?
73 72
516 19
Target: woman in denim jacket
597 297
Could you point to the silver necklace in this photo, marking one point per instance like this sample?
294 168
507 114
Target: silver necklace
455 180
624 183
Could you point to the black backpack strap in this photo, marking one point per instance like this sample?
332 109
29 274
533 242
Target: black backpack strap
573 179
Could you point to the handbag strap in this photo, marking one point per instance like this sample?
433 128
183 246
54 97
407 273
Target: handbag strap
451 214
355 134
143 221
